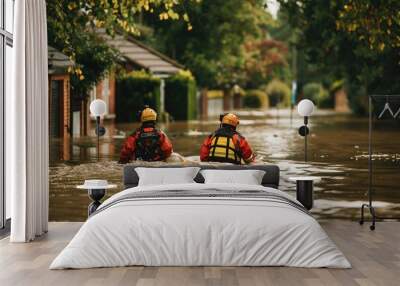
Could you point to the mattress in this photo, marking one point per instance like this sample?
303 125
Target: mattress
201 225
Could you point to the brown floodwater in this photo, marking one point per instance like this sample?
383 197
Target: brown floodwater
338 152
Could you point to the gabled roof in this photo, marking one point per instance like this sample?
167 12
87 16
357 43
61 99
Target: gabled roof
58 62
141 55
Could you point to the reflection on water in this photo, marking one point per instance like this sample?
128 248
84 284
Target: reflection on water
338 151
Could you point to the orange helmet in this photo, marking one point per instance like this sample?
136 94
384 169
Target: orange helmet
230 119
148 114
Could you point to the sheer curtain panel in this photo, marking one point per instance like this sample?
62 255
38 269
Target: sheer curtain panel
27 124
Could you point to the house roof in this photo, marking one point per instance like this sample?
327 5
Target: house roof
58 62
141 55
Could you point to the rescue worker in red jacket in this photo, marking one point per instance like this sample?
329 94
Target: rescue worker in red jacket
226 144
147 143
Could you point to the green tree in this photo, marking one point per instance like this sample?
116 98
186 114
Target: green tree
264 59
215 48
355 40
375 23
72 28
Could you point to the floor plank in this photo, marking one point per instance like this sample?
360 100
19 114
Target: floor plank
375 257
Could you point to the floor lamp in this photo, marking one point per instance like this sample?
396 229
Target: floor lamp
98 108
305 108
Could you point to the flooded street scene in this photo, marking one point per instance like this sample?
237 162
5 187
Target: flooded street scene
338 153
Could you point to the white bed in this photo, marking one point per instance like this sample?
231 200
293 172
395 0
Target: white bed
138 227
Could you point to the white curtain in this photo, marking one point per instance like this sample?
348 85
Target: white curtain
27 124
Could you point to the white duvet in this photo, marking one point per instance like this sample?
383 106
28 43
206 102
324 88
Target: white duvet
200 231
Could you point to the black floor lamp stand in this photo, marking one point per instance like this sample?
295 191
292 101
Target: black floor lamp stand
369 205
386 109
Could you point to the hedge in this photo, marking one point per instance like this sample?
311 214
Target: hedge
133 91
180 96
318 94
255 99
278 93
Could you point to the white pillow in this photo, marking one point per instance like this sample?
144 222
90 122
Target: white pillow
166 176
247 177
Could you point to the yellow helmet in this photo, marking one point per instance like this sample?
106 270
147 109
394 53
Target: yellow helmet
148 114
230 119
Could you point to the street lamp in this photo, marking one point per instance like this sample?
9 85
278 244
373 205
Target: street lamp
98 108
305 108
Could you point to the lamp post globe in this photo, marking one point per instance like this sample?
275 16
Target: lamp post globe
98 107
305 107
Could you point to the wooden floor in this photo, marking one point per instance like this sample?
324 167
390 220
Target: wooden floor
375 257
